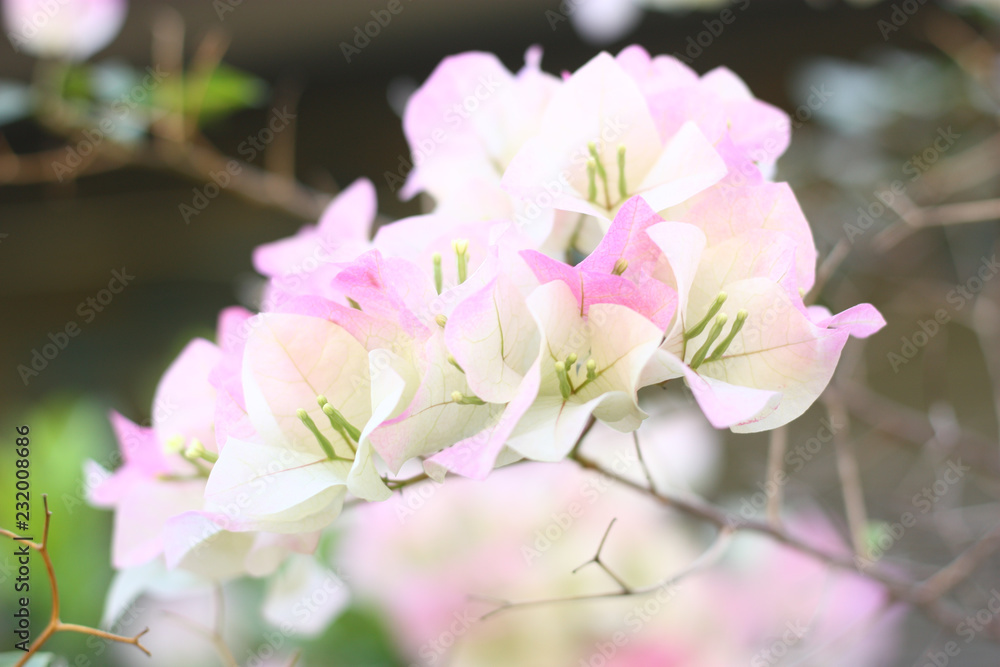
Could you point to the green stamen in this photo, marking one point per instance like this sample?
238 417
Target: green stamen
196 451
565 388
621 266
591 180
699 356
741 317
621 172
600 171
311 425
451 360
174 444
438 273
698 328
338 422
591 370
461 247
462 399
441 320
570 360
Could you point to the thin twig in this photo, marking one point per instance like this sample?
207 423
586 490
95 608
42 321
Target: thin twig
205 62
220 609
973 166
214 637
171 145
642 461
601 564
775 466
912 426
168 51
986 326
955 214
963 44
55 624
707 558
279 158
850 475
961 567
829 266
941 612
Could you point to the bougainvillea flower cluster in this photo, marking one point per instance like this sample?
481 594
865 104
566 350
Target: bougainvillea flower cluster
591 234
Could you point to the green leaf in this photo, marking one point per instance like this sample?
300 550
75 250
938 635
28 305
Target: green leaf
358 638
229 89
77 82
212 95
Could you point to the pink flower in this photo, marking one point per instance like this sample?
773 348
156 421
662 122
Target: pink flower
776 357
158 492
575 346
307 262
465 124
301 376
598 145
719 103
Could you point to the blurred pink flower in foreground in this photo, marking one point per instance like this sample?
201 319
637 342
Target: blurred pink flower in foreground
426 556
67 29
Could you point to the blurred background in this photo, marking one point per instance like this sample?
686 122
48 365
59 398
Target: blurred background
895 158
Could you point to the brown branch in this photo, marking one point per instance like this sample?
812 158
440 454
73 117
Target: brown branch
955 214
55 624
170 147
251 183
193 161
913 218
279 158
40 167
827 268
941 612
961 568
973 166
963 44
850 476
986 325
911 425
